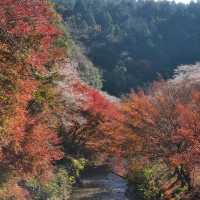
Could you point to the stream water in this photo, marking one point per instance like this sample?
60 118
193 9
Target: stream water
99 184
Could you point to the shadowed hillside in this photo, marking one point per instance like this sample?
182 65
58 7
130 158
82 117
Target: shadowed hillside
133 42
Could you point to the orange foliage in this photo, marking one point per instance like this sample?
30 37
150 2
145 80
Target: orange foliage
188 133
165 125
28 146
99 128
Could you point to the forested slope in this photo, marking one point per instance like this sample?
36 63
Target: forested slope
55 122
48 110
133 42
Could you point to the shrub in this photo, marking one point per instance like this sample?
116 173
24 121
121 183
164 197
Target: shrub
147 182
58 188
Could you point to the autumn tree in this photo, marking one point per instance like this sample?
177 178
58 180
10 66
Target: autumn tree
187 135
164 119
28 144
92 124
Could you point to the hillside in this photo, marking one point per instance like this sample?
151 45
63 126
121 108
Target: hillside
60 133
86 69
134 42
49 104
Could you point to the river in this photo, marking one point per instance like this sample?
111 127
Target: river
100 184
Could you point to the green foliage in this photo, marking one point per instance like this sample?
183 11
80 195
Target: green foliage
47 79
147 182
180 191
42 95
88 72
6 83
75 166
78 165
5 99
58 188
146 37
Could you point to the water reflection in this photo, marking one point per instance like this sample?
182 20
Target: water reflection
100 184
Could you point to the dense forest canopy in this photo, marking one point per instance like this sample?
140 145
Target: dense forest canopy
55 122
52 116
134 42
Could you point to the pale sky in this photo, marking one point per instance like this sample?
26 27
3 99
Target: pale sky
182 1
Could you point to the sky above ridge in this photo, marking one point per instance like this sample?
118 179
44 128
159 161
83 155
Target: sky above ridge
182 1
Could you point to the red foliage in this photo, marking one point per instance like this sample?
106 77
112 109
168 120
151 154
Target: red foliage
99 128
188 133
28 17
28 146
165 125
33 20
